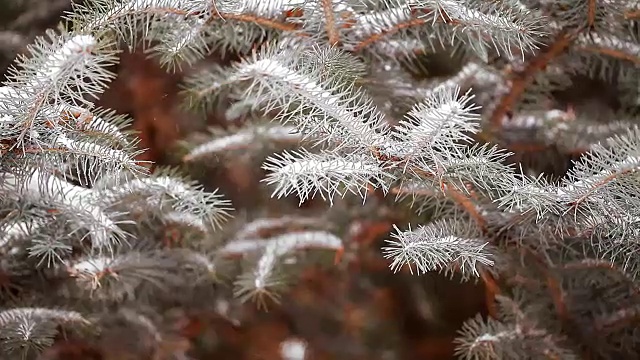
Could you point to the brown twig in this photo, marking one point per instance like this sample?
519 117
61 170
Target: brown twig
591 12
492 289
559 300
380 35
602 183
262 21
330 23
557 295
616 54
467 204
520 80
632 14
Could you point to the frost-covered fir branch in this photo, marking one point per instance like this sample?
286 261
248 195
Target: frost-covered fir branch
423 141
77 208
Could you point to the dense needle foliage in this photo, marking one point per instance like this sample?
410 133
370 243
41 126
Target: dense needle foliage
335 100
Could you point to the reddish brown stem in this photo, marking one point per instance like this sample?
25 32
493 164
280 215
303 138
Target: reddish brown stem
613 53
330 22
591 12
521 80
